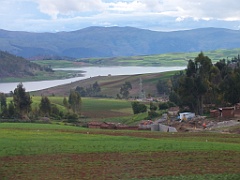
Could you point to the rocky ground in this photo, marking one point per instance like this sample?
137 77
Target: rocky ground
231 125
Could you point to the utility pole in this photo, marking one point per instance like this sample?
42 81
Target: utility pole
141 91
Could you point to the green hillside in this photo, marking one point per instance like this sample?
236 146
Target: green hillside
170 59
13 66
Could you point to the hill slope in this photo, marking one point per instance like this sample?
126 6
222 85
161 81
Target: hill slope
110 85
116 41
13 66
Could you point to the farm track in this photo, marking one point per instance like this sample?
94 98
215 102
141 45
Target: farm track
110 166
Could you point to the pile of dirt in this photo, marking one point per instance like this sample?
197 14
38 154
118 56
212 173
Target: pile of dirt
202 123
195 124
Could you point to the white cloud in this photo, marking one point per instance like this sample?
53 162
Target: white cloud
180 9
150 14
55 7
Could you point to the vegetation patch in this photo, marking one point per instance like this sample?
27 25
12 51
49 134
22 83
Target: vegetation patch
33 151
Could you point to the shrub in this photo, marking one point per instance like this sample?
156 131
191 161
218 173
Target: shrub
138 108
152 114
71 117
163 106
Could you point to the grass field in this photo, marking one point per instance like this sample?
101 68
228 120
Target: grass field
170 59
97 109
41 151
94 107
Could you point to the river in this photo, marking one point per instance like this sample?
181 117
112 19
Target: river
89 72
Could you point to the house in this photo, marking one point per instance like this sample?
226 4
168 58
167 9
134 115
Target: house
227 112
173 111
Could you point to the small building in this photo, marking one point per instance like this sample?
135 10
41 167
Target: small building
107 125
94 125
214 113
173 111
227 112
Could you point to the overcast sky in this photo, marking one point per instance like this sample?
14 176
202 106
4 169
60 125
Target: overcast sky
160 15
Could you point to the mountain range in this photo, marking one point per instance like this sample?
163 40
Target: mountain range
115 41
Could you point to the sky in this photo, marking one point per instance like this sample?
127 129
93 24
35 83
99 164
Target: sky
157 15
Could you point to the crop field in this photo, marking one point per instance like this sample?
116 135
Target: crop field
94 107
170 59
45 151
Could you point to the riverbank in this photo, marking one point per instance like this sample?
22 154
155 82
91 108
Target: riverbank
59 74
89 72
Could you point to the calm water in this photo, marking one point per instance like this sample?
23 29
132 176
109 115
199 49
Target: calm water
89 72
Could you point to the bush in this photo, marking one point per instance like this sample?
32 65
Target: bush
152 114
171 104
138 108
71 117
163 106
153 107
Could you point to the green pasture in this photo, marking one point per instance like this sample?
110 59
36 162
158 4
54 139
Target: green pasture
93 104
98 104
170 59
55 63
34 139
100 109
28 151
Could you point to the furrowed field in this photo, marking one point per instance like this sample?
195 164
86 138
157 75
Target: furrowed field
45 151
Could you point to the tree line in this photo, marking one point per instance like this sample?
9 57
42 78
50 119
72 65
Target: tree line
20 107
206 83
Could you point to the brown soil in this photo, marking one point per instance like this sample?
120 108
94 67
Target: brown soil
103 166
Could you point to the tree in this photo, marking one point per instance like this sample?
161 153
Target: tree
138 108
195 83
22 100
153 107
11 110
124 90
231 87
3 102
45 106
96 88
162 87
55 112
92 91
75 102
65 103
81 91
